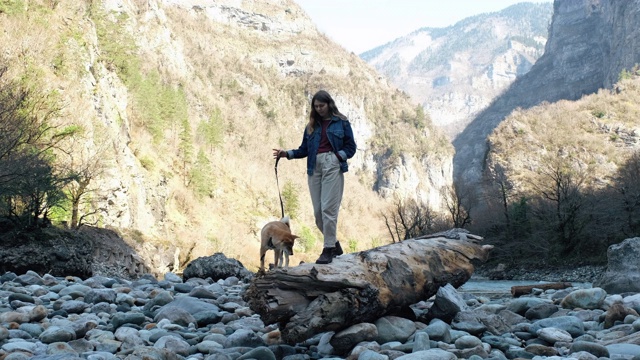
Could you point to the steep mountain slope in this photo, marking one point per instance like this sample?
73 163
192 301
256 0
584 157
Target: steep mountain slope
181 102
590 43
457 71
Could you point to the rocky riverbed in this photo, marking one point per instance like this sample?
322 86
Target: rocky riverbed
102 318
580 274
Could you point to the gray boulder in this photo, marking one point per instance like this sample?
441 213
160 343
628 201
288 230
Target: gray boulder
216 267
623 268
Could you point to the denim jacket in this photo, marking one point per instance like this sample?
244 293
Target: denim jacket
341 138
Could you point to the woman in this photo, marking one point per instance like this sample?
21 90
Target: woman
327 143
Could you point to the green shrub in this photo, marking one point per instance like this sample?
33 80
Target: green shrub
201 177
12 7
352 245
290 199
147 163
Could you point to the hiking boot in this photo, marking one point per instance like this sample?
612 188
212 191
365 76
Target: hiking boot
338 251
326 256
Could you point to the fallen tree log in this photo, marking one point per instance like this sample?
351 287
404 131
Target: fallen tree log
517 291
361 287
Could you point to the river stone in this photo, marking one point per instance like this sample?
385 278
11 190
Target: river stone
522 304
371 355
120 319
243 337
74 306
29 278
74 289
570 324
150 353
34 330
108 345
174 344
467 342
81 345
431 354
553 335
21 297
99 355
541 350
184 288
95 296
193 305
584 298
438 330
57 334
623 351
590 347
393 328
540 311
208 346
447 304
202 293
474 328
19 346
421 341
61 348
500 342
38 313
172 277
478 350
18 356
349 337
261 352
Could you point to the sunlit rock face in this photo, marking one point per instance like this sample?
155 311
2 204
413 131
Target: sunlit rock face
590 43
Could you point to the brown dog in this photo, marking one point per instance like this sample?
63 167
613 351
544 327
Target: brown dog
277 236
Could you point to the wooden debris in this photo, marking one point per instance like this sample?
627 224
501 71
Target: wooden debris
361 287
517 291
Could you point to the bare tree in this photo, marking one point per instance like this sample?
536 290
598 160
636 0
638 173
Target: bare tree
628 188
86 166
459 201
408 219
563 203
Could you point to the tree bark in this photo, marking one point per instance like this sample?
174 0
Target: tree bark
361 287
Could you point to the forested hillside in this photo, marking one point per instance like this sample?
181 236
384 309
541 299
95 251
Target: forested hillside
562 178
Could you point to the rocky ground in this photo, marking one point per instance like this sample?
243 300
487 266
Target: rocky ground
105 318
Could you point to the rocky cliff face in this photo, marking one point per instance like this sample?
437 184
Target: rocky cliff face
457 71
590 43
251 66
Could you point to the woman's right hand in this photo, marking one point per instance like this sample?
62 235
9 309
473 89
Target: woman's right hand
278 153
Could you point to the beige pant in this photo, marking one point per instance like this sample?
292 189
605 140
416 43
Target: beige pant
326 186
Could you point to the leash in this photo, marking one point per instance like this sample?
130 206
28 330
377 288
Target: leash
278 183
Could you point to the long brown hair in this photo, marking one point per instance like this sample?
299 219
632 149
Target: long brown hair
314 117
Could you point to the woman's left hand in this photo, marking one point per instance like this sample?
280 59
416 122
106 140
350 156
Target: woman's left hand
278 153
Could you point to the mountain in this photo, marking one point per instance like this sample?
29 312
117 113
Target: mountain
590 44
455 72
177 105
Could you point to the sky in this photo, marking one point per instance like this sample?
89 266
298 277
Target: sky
361 25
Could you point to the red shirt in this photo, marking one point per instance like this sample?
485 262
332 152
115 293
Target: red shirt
325 145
